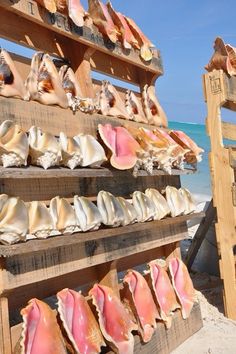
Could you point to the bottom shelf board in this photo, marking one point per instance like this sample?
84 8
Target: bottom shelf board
37 245
162 342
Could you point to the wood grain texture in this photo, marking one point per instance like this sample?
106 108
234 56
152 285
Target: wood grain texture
218 90
5 339
55 242
32 15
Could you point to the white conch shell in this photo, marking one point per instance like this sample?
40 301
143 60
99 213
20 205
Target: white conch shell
63 215
130 213
70 150
175 201
88 215
14 221
14 146
190 205
134 107
161 206
93 154
43 83
40 220
45 150
110 209
144 207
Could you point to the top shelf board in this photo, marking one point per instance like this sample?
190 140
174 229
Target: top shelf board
36 23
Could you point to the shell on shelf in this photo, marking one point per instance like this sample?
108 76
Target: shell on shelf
41 224
190 205
153 110
14 221
14 146
144 206
175 201
134 108
11 83
110 209
76 12
70 150
44 149
129 211
87 213
63 215
92 152
162 208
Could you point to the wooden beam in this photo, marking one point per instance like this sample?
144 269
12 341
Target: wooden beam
200 235
228 130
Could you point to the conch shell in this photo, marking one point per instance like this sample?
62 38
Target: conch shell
44 148
40 330
76 12
144 206
14 146
88 215
129 211
14 221
71 86
11 84
152 107
175 201
101 18
70 150
162 208
93 154
134 107
40 220
190 205
50 5
111 103
44 83
63 215
115 322
123 146
140 300
110 209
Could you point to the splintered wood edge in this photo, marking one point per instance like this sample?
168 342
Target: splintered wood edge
103 233
32 172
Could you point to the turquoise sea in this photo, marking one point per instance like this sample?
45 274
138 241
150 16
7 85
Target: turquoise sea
198 183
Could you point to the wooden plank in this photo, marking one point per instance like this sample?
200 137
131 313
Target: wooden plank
228 130
5 339
60 24
163 341
37 266
32 172
217 91
32 246
55 119
200 235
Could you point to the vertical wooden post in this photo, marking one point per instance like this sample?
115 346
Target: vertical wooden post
5 335
222 176
108 276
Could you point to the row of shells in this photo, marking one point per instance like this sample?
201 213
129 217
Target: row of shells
20 221
50 87
144 301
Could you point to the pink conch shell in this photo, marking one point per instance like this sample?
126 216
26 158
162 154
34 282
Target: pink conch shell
50 5
122 145
111 103
142 302
44 83
124 33
164 292
153 110
102 19
14 220
40 332
115 322
11 84
143 41
76 12
186 142
134 108
14 146
224 58
183 285
79 322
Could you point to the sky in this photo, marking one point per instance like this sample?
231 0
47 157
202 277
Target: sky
184 32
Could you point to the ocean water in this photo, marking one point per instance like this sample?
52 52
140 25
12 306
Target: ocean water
200 182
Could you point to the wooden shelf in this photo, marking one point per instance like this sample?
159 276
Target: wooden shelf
60 172
103 233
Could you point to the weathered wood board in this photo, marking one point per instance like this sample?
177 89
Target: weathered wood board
220 91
